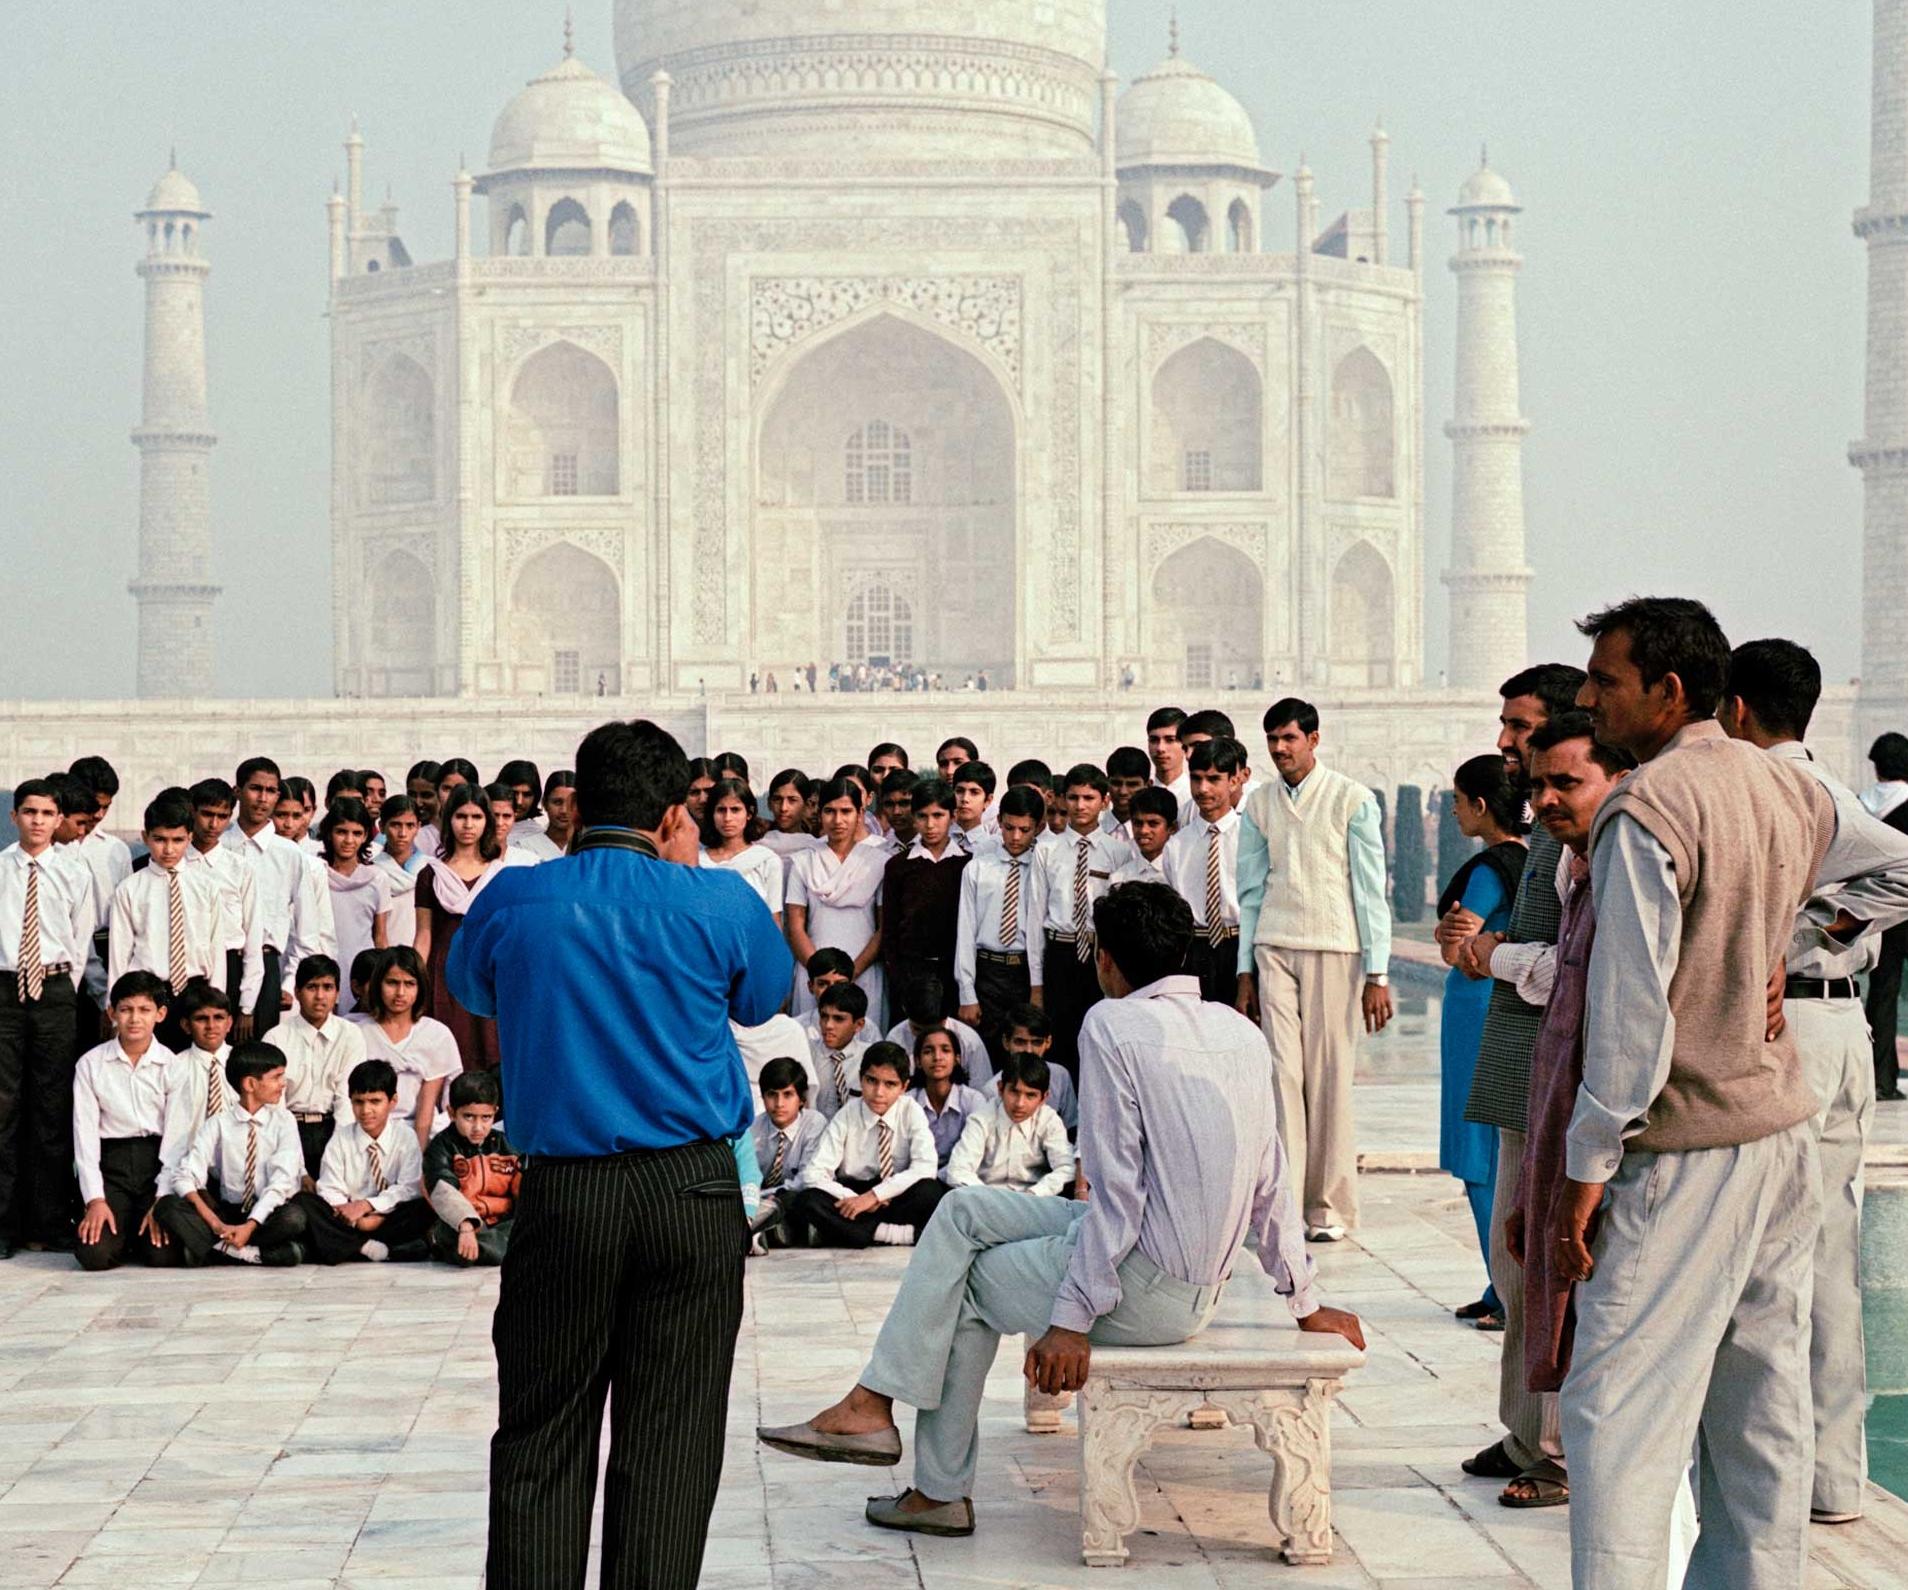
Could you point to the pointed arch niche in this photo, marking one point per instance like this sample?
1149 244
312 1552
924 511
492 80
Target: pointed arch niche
400 433
564 629
1206 621
1364 619
563 425
400 646
1207 422
1361 443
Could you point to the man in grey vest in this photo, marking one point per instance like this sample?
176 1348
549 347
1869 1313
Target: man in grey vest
1691 1200
1529 1454
1771 695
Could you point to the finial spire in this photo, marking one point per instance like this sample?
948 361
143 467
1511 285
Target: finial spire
1172 35
569 33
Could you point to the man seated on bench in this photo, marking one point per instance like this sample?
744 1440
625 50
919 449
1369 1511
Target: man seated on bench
1179 1133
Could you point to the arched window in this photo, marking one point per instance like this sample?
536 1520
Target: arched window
1363 617
1239 230
1359 446
1133 226
400 430
1191 231
566 230
625 232
517 233
565 624
563 425
880 464
403 628
880 627
1207 422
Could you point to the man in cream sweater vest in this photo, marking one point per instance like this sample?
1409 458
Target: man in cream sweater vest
1692 1200
1314 952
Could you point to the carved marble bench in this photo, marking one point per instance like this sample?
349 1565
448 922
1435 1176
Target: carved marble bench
1250 1366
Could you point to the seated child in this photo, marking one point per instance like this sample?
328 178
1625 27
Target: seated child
198 1090
824 969
924 999
838 1046
370 1199
1017 1141
120 1097
872 1178
1153 818
785 1133
321 1050
234 1191
1029 1032
939 1086
471 1176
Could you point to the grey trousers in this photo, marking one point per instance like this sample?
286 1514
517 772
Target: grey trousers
1532 1423
1693 1336
1831 1036
989 1265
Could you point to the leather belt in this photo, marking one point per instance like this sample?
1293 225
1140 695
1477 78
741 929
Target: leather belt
1068 936
999 957
309 1117
1819 988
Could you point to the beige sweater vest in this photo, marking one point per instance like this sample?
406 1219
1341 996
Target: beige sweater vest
1308 898
1746 833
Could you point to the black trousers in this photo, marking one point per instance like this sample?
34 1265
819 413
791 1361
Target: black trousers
313 1137
817 1212
1216 969
196 1239
330 1241
493 1242
36 1109
1883 1004
1071 988
1000 983
266 1014
129 1167
623 1279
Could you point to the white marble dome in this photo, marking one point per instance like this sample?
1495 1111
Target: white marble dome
174 194
1177 115
870 79
1486 189
570 119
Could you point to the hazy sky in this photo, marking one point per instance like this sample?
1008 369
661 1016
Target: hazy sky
1691 303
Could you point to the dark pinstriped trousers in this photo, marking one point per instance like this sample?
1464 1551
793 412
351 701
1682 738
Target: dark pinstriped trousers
623 1279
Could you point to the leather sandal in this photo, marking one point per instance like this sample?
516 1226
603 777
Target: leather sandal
1493 1463
1549 1482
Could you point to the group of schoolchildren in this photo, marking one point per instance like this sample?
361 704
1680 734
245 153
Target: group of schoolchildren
284 1078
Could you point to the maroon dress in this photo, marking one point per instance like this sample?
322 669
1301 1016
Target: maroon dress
476 1035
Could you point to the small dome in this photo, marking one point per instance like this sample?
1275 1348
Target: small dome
1487 190
1178 116
174 194
570 119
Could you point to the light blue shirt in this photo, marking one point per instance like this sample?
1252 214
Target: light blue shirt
1365 846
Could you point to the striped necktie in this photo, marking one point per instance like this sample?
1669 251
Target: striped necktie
1010 905
251 1162
214 1088
774 1176
1215 896
31 973
1082 914
840 1063
884 1148
376 1155
176 971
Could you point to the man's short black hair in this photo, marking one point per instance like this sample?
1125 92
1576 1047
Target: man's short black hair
1021 801
1555 685
1156 801
372 1076
889 1055
828 959
782 1072
1576 724
168 809
1128 761
927 792
259 1058
1889 753
975 773
1029 770
1029 1070
1146 928
1289 709
98 772
924 998
1221 754
628 774
44 788
1084 775
313 967
198 995
475 1087
901 782
1779 681
75 795
850 998
1670 635
255 764
1165 718
133 984
1027 1018
1210 722
211 792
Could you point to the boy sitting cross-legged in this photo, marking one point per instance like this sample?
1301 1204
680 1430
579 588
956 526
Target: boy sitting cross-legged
873 1177
1018 1141
370 1198
471 1176
785 1133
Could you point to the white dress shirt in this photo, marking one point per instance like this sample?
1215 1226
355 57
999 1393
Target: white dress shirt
140 925
803 1137
1883 797
995 1150
67 912
109 860
116 1096
195 1073
216 1158
1061 1098
344 1174
974 1055
1139 870
533 841
318 1063
1050 900
1184 863
946 1124
294 899
850 1147
983 889
240 911
1179 1138
827 1099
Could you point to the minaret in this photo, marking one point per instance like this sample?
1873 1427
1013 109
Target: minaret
1488 578
1882 452
174 589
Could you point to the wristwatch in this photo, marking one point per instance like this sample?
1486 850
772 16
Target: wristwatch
1378 979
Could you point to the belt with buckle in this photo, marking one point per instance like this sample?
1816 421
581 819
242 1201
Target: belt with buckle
1000 957
1819 988
309 1117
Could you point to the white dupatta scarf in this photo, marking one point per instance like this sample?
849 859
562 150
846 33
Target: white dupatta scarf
452 893
849 884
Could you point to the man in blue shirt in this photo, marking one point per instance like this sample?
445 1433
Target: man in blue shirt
613 974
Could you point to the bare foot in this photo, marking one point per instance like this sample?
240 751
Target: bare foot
861 1412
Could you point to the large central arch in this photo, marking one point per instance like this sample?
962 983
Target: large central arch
886 455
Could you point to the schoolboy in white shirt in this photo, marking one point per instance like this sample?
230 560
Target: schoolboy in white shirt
321 1050
990 939
1018 1141
370 1200
120 1094
1030 1034
168 918
232 1195
823 970
837 1048
972 828
212 801
293 897
1067 878
786 1134
199 1089
1151 821
873 1177
1202 865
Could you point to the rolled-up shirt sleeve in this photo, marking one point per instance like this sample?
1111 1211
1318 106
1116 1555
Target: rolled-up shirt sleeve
1629 1033
1530 968
1279 1233
1110 1123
